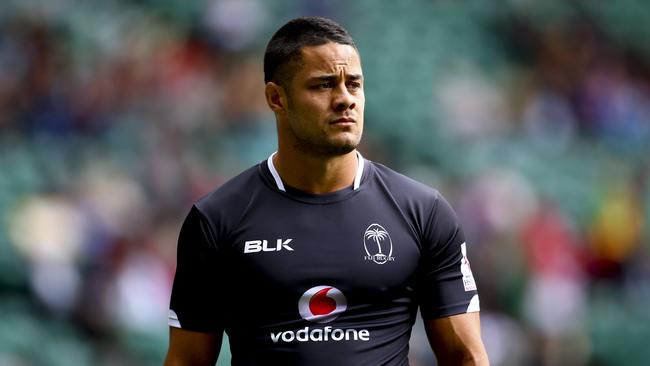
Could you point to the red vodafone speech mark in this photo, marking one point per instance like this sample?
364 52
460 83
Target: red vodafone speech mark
320 304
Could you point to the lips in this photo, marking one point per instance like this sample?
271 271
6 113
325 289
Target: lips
344 120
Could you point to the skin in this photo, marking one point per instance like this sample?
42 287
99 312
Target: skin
188 348
456 340
319 115
316 148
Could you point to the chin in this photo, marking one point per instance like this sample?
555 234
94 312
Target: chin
340 148
333 146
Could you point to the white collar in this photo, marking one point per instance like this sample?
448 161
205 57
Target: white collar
278 180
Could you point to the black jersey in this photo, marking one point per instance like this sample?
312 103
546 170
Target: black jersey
331 279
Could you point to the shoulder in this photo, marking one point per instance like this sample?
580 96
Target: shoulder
232 190
423 206
223 207
402 187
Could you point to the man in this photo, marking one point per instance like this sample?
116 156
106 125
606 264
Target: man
317 256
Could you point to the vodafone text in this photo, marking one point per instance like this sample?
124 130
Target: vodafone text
325 334
254 246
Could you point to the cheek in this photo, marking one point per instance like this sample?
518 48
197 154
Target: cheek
305 101
361 101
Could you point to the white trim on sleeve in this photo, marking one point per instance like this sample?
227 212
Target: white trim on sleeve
474 305
172 319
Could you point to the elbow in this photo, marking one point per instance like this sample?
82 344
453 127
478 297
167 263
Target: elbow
476 360
464 358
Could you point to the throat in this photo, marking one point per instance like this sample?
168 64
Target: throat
318 176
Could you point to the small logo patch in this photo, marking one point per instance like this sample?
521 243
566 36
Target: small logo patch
466 270
378 244
256 246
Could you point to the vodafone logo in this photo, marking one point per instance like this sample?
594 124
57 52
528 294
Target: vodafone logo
322 304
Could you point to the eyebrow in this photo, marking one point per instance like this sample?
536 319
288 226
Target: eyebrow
331 77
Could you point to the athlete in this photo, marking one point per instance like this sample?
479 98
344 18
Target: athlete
317 256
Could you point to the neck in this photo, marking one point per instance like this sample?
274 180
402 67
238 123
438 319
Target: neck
316 174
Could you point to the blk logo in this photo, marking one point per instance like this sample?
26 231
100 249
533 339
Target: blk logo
378 245
322 304
254 246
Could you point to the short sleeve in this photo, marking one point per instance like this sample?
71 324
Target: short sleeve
446 285
194 301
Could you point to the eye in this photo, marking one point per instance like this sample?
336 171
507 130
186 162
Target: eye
327 85
354 85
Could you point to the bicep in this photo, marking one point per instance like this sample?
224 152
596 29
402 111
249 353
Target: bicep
189 348
456 339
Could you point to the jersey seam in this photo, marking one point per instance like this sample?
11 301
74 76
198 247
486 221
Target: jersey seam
210 227
429 222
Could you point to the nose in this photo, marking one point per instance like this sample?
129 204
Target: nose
343 99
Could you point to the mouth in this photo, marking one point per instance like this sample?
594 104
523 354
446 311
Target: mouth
343 121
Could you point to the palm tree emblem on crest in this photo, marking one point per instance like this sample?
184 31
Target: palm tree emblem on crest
378 235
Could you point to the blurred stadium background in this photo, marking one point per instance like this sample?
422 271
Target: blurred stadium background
532 117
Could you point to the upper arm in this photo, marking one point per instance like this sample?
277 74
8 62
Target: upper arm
446 285
456 339
188 348
196 314
194 303
447 291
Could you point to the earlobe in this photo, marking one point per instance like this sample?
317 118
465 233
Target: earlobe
274 96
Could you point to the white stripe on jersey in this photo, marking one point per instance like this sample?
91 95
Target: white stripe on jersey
278 180
276 176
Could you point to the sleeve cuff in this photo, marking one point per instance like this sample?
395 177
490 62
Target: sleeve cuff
471 307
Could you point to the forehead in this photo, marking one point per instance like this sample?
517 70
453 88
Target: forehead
329 58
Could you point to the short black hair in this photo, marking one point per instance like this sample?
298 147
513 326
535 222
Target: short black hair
286 44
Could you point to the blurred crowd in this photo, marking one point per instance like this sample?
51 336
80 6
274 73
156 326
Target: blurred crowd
533 120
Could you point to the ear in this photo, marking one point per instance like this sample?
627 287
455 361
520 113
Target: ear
276 97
